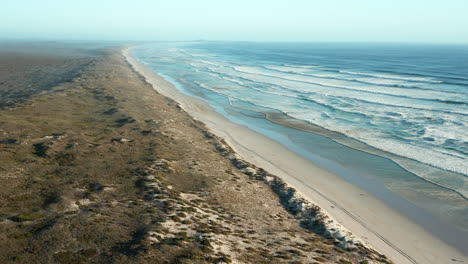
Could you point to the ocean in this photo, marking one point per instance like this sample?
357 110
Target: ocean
391 118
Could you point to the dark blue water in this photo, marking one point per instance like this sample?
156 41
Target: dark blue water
406 103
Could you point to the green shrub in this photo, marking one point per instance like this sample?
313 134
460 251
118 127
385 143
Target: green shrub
27 217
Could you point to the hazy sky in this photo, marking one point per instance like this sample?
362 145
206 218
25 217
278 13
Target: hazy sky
257 20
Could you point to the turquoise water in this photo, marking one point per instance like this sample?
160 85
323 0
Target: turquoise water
406 105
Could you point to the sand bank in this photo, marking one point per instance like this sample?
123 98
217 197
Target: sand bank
367 217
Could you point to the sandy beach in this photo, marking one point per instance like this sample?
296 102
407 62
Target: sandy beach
370 219
99 167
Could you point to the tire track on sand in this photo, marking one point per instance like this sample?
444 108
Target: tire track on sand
344 210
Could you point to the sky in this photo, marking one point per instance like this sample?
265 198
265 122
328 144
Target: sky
428 21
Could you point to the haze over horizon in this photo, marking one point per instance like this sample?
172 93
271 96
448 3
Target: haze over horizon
429 21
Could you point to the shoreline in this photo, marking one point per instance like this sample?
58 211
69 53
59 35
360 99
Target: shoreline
355 209
103 169
402 162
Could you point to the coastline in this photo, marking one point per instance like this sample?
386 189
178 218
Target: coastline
104 169
368 218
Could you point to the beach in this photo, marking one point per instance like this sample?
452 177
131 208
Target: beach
234 132
99 167
360 212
